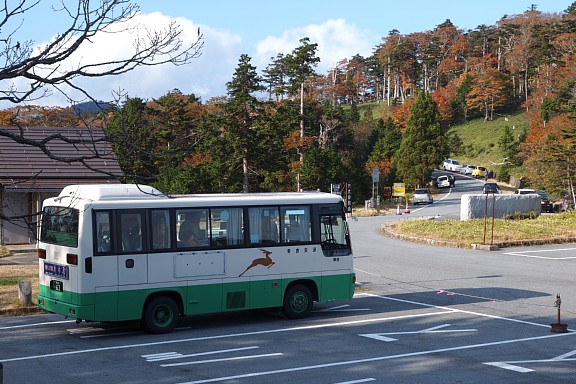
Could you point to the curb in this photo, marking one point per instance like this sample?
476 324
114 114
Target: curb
388 230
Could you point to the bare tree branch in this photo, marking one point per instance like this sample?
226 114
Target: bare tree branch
49 66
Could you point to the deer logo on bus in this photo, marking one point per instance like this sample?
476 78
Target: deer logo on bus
265 261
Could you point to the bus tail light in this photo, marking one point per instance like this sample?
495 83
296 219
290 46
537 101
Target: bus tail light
41 253
72 258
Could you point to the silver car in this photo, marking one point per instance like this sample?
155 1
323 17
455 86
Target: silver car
422 196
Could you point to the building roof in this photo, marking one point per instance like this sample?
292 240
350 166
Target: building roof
24 166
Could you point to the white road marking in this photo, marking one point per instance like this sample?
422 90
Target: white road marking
533 254
377 358
219 360
436 329
342 308
175 355
357 381
225 336
512 365
455 310
36 324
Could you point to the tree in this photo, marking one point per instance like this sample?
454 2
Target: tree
423 144
300 65
244 113
388 138
44 68
490 91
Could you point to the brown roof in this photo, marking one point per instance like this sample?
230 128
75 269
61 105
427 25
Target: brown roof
24 166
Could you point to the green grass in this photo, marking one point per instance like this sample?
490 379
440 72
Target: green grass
550 228
7 282
480 139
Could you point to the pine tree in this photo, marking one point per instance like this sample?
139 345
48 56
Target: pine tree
243 112
424 143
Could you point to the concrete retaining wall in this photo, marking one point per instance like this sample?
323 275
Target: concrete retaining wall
479 206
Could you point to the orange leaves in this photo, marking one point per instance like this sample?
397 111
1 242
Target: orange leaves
540 132
384 166
197 158
293 140
40 116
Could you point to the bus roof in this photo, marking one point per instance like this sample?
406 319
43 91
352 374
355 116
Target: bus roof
110 192
130 192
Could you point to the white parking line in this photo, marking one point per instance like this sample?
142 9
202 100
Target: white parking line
225 336
375 359
512 365
534 254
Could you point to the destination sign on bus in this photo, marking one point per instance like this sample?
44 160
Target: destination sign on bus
55 270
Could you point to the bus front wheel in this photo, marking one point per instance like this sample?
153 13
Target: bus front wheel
297 302
160 315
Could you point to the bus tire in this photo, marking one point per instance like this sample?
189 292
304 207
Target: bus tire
298 301
160 315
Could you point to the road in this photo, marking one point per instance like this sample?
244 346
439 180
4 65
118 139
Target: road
421 314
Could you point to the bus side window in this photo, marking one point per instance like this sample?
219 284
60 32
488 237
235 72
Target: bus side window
227 227
192 228
296 224
131 232
264 225
102 226
160 229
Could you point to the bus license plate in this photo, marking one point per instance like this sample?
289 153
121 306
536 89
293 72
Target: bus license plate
55 270
56 285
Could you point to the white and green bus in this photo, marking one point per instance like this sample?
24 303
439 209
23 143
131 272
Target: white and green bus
127 252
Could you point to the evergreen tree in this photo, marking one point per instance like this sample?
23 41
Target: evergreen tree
133 142
244 113
424 143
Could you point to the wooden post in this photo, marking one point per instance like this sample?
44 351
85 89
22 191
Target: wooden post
25 292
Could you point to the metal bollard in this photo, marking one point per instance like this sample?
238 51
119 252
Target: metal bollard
1 373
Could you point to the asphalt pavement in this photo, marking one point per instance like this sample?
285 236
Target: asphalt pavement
20 255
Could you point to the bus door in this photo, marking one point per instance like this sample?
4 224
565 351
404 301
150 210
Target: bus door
132 256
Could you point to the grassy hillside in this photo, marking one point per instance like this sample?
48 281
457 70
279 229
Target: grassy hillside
480 138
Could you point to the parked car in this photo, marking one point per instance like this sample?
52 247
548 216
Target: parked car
467 169
524 191
451 165
443 181
546 203
478 172
422 196
490 188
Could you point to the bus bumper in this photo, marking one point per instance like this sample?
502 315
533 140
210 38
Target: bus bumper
82 312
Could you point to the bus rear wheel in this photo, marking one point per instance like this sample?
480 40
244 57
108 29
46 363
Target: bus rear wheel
298 302
160 315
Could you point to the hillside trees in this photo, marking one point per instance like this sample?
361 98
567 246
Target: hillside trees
424 143
386 138
151 140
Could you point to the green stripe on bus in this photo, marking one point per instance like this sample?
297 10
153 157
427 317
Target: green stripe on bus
193 299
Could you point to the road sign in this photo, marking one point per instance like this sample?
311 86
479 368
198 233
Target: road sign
399 189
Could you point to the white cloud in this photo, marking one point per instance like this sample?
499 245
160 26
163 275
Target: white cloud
336 40
204 76
207 75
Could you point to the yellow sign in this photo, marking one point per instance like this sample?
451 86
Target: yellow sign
399 189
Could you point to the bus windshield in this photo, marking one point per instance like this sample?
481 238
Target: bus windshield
335 239
60 226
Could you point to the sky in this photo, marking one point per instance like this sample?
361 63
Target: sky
261 29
